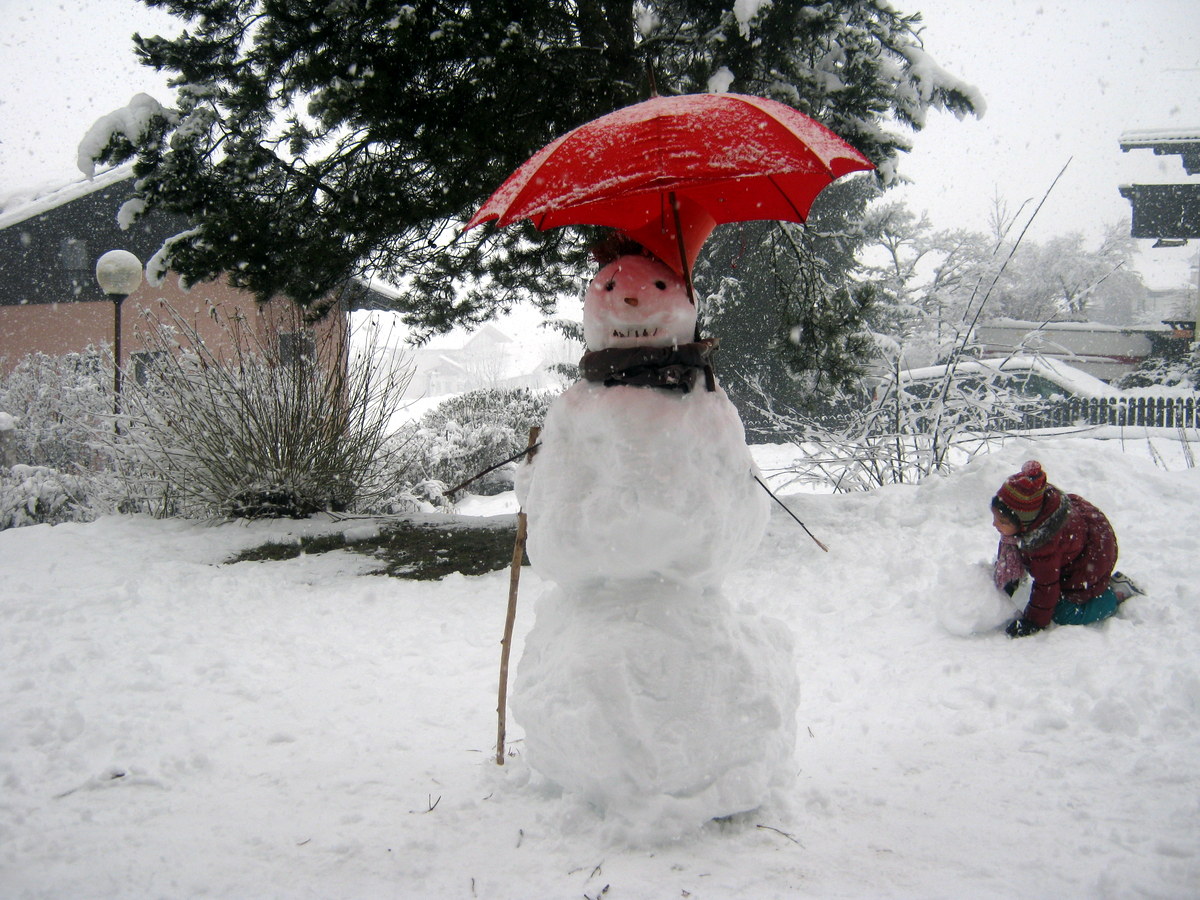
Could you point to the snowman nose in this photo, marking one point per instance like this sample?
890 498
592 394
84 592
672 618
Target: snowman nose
632 301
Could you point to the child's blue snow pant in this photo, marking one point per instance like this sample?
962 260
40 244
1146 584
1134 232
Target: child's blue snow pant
1068 613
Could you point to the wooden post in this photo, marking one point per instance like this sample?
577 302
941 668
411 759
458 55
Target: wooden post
514 579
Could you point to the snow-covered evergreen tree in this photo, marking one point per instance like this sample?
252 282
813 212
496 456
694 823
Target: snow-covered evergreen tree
783 299
310 140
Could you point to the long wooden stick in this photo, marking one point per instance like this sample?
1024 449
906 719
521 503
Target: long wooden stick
514 580
458 487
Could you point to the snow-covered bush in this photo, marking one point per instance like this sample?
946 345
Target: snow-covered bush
8 440
266 433
468 433
1175 372
35 495
59 403
898 435
56 416
423 497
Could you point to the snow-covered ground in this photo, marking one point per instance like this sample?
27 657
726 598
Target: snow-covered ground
174 726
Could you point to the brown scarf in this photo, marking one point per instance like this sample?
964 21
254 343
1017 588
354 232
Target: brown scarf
674 368
1038 537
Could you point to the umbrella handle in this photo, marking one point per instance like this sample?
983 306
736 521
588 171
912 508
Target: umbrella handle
687 269
710 379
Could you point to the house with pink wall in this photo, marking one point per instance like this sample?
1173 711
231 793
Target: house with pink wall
51 303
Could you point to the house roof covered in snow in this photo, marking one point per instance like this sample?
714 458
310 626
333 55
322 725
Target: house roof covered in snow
1184 142
97 222
1153 137
22 205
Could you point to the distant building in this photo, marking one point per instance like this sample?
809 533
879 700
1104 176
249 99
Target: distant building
488 358
1168 214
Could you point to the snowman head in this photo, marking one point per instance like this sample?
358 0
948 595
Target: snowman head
637 301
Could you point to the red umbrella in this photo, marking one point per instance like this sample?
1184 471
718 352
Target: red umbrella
669 169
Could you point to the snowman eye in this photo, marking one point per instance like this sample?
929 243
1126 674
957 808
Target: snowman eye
612 283
661 285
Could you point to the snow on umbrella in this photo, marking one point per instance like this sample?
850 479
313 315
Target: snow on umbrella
672 166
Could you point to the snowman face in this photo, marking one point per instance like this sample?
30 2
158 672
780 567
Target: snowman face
636 301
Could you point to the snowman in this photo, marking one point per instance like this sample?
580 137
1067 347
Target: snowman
644 691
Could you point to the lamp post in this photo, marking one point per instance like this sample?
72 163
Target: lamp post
119 273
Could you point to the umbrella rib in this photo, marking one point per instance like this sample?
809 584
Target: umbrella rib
800 217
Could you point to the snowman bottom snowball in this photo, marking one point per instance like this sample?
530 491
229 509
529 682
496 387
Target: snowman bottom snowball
661 707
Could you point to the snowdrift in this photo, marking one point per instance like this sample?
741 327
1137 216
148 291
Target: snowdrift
175 726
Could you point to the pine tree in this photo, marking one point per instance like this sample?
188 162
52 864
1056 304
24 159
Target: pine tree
310 141
791 316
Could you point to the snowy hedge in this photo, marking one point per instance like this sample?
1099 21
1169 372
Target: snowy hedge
468 433
268 433
203 436
59 403
1176 372
35 495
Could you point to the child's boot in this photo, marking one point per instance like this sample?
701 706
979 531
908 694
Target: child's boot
1122 585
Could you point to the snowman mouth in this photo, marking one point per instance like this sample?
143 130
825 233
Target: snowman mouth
635 333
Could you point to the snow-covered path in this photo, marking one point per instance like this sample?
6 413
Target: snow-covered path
175 727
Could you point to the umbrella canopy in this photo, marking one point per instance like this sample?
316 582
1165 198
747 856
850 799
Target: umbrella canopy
698 160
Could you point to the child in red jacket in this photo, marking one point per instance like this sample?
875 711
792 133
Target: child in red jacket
1065 544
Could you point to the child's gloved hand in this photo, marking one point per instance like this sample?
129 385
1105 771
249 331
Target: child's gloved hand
1011 587
1021 628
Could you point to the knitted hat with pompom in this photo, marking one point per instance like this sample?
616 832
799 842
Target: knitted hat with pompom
1022 493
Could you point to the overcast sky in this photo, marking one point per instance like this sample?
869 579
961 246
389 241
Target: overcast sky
1062 81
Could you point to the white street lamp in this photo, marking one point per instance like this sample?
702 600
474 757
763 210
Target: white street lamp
119 273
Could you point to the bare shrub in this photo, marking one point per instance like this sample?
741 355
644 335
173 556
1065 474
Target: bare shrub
270 429
891 434
900 435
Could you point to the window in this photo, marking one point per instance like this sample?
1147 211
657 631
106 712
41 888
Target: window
1045 388
147 363
76 265
73 253
297 348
